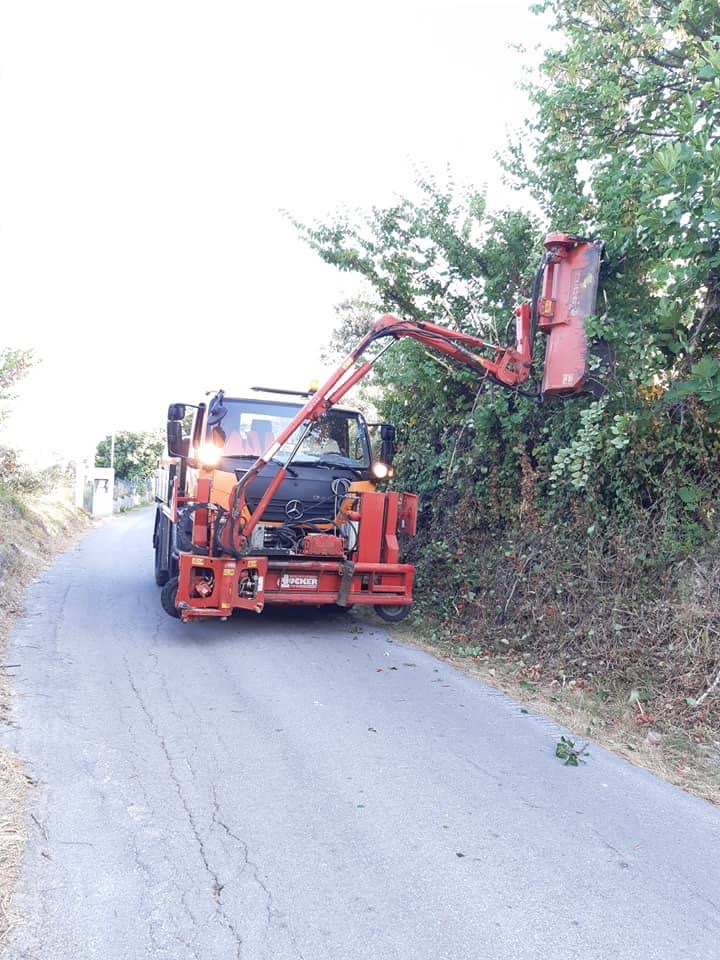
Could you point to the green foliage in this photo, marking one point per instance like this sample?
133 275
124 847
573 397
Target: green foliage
569 753
625 144
429 257
14 365
355 316
573 464
501 454
704 384
136 454
17 479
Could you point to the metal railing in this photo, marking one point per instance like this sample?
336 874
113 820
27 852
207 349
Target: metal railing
132 493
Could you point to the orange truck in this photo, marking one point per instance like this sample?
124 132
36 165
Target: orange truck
280 498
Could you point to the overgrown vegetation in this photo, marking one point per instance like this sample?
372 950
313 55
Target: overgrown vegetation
579 537
14 365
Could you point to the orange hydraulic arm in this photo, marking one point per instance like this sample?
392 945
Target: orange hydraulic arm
564 297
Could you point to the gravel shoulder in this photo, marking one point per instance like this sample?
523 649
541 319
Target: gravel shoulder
32 532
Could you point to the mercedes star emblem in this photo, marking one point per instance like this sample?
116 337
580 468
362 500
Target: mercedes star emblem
294 510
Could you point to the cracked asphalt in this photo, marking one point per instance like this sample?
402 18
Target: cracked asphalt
295 786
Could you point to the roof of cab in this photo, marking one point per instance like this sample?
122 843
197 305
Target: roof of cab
267 396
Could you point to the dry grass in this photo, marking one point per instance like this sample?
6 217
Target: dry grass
13 786
32 532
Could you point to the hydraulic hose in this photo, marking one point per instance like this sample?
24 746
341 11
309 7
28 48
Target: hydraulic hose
535 296
184 537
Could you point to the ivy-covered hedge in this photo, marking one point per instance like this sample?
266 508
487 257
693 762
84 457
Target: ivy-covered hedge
610 502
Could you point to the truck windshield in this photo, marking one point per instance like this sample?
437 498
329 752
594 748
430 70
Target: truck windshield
250 426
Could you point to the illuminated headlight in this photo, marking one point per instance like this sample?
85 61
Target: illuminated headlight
380 470
209 454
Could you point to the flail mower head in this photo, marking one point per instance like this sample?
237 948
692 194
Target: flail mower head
564 299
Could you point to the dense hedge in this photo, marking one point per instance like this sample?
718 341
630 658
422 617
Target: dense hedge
585 507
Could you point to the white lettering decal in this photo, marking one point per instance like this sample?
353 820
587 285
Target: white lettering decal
286 582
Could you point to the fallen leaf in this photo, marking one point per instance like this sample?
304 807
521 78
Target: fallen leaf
646 719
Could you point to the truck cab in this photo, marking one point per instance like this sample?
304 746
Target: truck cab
226 436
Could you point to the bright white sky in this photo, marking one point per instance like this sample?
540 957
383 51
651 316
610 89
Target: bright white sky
147 149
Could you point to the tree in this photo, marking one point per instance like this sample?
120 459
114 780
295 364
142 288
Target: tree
625 144
15 477
355 316
14 365
437 256
546 526
136 454
422 257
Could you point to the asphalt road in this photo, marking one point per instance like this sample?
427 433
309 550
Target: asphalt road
295 786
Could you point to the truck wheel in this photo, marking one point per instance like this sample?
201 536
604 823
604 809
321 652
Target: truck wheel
167 598
160 542
392 614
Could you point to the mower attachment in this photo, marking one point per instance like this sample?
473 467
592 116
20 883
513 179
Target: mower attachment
566 300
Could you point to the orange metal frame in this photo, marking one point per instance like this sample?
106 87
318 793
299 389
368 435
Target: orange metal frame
209 586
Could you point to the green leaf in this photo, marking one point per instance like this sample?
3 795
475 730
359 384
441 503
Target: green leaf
689 495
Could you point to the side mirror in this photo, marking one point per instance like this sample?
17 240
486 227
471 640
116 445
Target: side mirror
178 446
176 411
388 443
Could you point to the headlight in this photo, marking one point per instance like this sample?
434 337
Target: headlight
380 470
209 454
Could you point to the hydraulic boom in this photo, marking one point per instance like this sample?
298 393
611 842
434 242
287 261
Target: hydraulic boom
222 552
566 290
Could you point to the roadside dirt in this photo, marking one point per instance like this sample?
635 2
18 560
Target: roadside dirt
32 532
688 758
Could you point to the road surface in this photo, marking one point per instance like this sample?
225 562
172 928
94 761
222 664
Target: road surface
295 786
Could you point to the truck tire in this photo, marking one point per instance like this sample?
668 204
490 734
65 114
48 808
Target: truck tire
392 614
167 598
161 544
